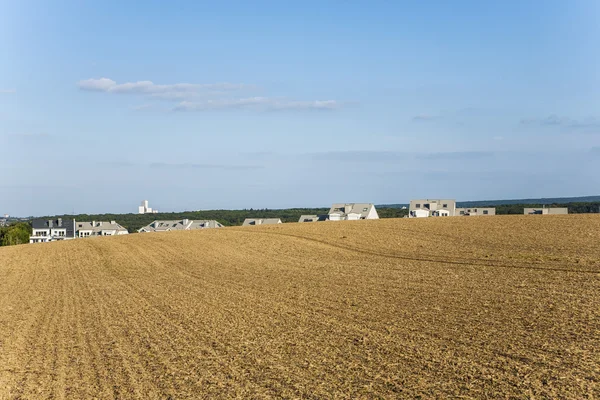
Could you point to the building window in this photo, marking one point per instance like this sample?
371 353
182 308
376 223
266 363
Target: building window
485 212
365 209
462 213
445 205
418 205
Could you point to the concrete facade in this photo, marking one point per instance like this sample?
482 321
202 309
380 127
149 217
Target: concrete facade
545 210
432 208
475 211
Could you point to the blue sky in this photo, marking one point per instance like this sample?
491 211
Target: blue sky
201 105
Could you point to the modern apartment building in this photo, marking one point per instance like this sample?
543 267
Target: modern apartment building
432 208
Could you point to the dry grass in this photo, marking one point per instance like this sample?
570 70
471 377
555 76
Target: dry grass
488 307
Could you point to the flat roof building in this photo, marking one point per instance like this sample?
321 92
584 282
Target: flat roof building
475 211
545 210
432 208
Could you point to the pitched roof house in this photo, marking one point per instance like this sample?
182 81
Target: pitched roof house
49 230
313 218
180 225
352 211
261 221
99 228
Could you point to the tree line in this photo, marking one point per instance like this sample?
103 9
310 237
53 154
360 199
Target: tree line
19 233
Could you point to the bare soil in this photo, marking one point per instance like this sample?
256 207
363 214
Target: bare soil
480 307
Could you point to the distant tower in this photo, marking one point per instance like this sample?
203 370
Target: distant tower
144 209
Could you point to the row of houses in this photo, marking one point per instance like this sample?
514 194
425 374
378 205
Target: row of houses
179 225
344 212
447 208
50 230
444 208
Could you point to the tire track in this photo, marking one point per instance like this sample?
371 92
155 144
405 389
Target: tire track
452 261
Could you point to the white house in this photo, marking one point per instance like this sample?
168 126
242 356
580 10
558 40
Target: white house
313 218
261 221
352 211
50 230
98 228
432 208
179 225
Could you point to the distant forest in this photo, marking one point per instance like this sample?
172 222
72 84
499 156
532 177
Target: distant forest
133 222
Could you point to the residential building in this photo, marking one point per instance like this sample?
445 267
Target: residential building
545 210
98 228
261 221
432 208
145 209
473 212
352 211
180 225
313 218
50 230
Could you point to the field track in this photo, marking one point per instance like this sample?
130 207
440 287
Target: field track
481 307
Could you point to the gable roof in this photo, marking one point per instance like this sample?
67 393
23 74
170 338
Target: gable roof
179 225
352 208
99 226
57 223
313 218
261 221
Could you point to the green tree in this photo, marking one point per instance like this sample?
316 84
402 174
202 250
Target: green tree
15 234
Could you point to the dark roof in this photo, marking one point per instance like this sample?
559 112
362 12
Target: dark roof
68 224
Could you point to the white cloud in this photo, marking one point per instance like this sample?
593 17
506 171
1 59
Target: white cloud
202 97
8 91
175 91
261 103
554 120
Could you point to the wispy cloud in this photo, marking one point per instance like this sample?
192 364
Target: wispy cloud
116 164
362 156
457 155
260 103
202 97
205 166
8 91
563 122
426 118
172 91
365 156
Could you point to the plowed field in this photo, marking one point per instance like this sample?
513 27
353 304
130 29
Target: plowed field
482 307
